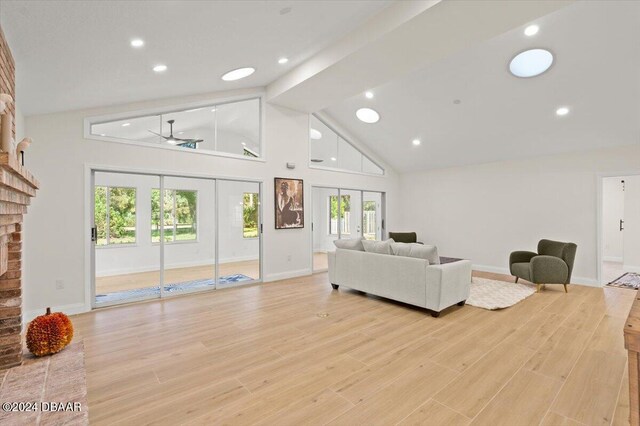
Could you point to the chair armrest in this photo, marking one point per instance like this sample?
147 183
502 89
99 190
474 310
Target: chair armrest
521 256
549 270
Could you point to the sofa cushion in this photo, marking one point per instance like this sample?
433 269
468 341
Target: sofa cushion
350 244
380 247
521 270
418 251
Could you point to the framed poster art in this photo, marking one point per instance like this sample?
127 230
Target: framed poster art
289 202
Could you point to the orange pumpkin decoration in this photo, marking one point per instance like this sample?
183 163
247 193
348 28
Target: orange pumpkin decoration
49 333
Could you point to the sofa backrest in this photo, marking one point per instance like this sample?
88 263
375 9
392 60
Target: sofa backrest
565 251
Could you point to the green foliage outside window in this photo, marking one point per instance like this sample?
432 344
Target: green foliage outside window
180 222
115 215
250 206
345 206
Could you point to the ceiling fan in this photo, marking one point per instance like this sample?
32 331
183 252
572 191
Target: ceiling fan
177 141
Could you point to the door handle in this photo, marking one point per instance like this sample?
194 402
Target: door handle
621 225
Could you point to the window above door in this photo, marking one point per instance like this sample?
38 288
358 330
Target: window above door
231 128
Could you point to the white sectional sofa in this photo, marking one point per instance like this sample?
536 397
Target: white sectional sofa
405 279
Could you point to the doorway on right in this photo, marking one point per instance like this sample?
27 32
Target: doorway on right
620 230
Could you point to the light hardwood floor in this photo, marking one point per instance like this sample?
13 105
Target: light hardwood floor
294 352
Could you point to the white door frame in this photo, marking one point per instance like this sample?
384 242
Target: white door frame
599 228
88 223
383 212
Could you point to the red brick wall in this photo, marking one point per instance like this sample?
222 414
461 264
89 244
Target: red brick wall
7 74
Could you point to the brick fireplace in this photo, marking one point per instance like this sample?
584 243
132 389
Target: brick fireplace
17 186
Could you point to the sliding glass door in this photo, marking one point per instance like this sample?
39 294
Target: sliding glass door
188 232
127 264
372 215
239 229
325 225
156 236
343 214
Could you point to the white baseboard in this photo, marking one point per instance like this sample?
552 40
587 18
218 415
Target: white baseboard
75 308
612 259
286 275
630 268
590 282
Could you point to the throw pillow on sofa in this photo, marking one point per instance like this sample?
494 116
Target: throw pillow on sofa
350 244
418 251
380 247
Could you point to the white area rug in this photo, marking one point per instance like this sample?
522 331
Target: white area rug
492 294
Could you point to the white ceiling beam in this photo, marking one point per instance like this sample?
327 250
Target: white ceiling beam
407 35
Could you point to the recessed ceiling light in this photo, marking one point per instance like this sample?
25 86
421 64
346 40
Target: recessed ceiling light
531 63
562 111
126 124
368 95
531 30
333 158
283 60
416 142
102 134
213 110
239 73
368 115
160 68
315 134
137 42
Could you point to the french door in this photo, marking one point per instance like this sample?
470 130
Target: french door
156 236
341 214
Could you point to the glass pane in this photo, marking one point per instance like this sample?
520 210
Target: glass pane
155 215
250 214
349 158
169 212
238 128
135 129
189 259
127 267
325 225
239 237
328 149
369 166
100 214
350 217
122 215
232 128
323 144
190 129
186 205
372 215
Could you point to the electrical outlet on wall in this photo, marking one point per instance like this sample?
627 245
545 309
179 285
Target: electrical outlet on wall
59 284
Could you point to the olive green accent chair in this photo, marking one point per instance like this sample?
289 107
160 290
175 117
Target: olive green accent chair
552 264
404 237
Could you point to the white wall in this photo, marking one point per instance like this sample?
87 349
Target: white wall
632 224
483 212
56 233
19 123
612 212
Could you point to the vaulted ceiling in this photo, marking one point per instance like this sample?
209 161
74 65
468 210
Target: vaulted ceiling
438 70
76 54
468 108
